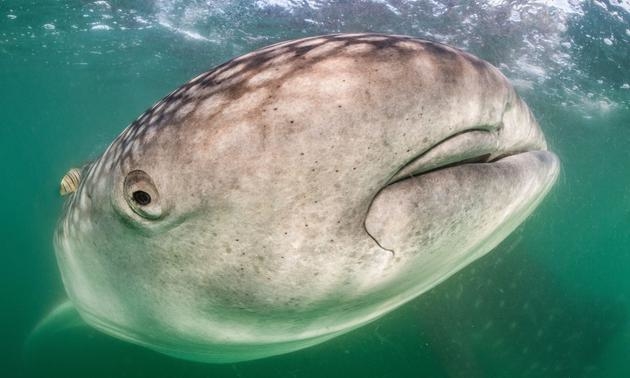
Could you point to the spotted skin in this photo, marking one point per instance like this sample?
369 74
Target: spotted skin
298 195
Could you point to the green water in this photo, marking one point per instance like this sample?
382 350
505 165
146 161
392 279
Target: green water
553 300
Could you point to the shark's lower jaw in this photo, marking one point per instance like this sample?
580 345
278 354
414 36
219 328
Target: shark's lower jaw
478 197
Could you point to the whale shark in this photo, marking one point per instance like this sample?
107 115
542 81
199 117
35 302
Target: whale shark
295 193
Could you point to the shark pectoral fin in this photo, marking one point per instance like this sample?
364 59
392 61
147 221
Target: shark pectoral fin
62 318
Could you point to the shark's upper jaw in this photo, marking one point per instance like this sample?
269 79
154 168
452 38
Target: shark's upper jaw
473 145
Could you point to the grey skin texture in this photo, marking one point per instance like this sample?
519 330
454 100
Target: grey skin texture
299 192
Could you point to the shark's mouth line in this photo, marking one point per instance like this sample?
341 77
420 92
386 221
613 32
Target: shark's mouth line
481 159
471 146
477 145
422 163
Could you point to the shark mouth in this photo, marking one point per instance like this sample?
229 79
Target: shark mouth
466 187
475 145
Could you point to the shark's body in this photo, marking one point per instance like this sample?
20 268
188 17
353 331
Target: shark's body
298 192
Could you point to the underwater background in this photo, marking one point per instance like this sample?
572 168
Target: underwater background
553 300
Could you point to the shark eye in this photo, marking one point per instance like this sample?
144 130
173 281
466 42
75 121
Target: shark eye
142 198
142 195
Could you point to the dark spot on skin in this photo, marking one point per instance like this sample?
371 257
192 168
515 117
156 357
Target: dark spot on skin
306 225
302 153
291 121
236 239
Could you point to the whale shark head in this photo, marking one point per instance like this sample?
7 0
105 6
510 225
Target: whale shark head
298 192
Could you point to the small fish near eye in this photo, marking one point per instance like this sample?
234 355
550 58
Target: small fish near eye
70 182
